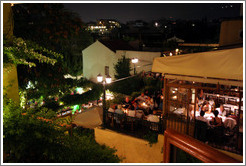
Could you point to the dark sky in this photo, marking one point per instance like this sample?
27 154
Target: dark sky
149 11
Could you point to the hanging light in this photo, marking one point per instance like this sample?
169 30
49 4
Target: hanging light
108 79
99 78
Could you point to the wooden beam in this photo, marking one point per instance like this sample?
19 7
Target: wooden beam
193 147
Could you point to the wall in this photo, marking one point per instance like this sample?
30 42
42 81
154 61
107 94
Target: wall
145 59
10 83
230 32
7 20
95 58
133 150
10 80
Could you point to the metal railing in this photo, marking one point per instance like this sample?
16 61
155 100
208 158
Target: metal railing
217 137
133 126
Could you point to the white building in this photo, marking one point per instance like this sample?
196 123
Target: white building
101 57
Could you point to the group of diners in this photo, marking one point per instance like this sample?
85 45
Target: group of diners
217 120
211 106
142 107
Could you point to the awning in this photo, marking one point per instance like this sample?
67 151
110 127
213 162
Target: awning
222 66
90 118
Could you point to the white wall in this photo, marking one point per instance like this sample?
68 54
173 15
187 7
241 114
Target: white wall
145 59
95 58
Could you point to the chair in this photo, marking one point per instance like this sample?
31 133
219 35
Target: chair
110 119
201 130
130 123
230 123
119 119
228 110
218 134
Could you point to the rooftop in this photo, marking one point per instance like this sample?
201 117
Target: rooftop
116 45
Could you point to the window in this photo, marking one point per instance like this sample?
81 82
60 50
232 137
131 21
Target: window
106 70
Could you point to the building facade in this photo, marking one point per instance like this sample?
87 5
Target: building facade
101 57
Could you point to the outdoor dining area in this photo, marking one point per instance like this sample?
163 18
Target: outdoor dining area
137 116
203 96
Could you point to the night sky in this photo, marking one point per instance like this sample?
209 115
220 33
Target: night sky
124 12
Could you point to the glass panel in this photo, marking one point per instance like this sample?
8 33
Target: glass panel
178 98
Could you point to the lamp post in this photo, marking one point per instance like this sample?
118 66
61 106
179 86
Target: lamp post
105 81
134 61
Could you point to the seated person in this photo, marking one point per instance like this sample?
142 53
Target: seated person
140 114
207 107
142 97
111 108
211 102
201 95
216 121
153 118
201 117
221 110
136 105
119 110
127 103
131 112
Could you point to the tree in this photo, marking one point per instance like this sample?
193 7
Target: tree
29 137
17 51
55 28
129 85
122 68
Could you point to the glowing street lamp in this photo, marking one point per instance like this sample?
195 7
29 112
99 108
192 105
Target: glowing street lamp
108 79
105 81
134 61
99 78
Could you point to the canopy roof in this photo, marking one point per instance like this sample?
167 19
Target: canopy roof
90 118
222 66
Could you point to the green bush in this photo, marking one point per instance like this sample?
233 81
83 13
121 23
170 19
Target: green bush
90 95
28 139
152 137
118 99
135 94
127 86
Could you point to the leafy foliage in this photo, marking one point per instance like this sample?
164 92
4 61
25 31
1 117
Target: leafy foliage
122 68
17 51
90 95
28 138
152 137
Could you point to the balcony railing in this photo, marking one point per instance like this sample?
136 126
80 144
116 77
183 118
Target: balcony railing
183 148
134 126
